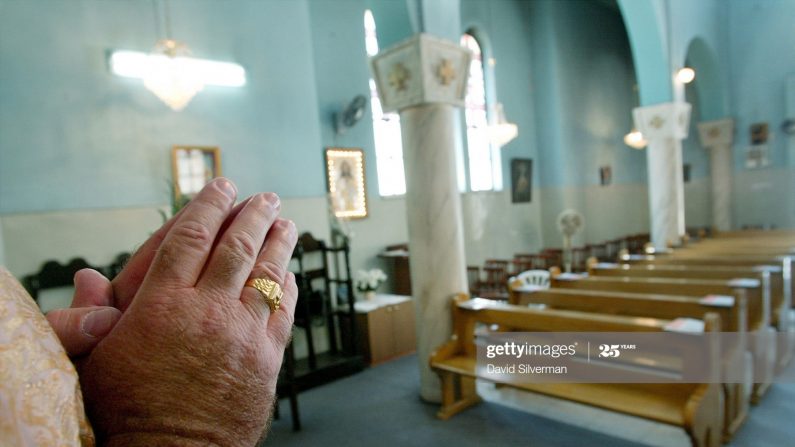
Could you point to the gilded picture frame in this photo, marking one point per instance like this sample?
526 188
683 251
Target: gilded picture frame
345 180
192 167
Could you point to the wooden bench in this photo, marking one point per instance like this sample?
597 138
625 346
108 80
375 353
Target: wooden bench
786 314
716 259
697 408
672 286
770 277
772 286
737 371
764 356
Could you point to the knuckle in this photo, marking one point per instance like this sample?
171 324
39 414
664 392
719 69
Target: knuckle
230 261
192 233
243 244
212 198
273 270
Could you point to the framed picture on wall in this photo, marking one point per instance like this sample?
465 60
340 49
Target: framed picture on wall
346 183
192 167
521 180
759 133
605 175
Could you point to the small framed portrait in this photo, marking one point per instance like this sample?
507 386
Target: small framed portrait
605 175
759 133
346 182
521 180
192 167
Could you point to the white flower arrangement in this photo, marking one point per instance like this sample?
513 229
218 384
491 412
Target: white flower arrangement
369 280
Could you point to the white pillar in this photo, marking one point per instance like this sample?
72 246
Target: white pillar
665 126
717 137
425 79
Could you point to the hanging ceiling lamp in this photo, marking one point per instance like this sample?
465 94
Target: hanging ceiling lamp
501 132
170 73
635 140
171 76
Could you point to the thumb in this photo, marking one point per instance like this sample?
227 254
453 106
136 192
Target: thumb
80 329
92 289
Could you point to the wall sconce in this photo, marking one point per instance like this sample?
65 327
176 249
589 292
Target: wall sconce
686 75
635 140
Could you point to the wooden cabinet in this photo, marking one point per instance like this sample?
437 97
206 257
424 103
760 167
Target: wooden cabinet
397 256
386 327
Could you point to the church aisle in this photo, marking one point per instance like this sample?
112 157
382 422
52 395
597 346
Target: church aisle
380 407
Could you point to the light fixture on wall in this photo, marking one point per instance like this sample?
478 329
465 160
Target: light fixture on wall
635 140
685 75
169 72
501 132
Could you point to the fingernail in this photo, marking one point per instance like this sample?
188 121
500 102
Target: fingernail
273 199
99 322
285 224
227 188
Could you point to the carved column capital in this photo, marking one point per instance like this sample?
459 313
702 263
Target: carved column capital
421 70
718 133
666 120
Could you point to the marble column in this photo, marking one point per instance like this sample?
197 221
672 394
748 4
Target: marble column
424 79
665 126
717 137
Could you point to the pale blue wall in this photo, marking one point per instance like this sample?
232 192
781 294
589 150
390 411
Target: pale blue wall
501 26
646 26
583 76
340 60
762 56
74 136
692 151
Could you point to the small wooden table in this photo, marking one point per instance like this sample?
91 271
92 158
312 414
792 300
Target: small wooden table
386 327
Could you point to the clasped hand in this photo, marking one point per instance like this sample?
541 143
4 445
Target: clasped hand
176 350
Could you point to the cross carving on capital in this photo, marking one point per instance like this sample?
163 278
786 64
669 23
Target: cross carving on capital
399 77
657 122
446 72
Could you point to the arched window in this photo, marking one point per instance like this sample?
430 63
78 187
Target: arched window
485 166
386 128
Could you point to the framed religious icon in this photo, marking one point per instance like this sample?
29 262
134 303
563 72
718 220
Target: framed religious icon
605 175
521 180
759 133
346 182
192 167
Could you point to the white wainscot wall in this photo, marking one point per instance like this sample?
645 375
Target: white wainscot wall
610 212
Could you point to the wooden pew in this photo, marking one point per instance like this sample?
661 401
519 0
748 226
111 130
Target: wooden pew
716 259
758 321
770 277
737 371
697 408
672 286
